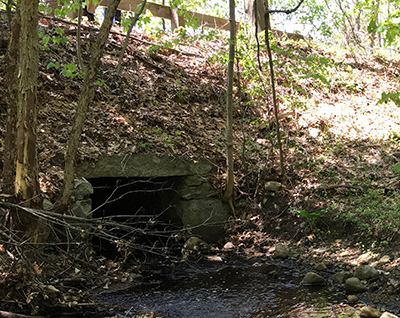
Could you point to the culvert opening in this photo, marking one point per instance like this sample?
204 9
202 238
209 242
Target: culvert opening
138 215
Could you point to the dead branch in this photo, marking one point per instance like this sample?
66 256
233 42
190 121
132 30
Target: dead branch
7 314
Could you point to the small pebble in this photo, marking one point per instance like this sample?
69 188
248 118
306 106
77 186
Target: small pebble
320 266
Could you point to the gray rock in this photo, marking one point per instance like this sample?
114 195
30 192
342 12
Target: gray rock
47 205
384 259
194 181
370 312
205 217
320 266
353 284
82 208
388 315
366 272
82 189
194 247
352 299
195 187
272 186
340 278
312 279
142 165
281 251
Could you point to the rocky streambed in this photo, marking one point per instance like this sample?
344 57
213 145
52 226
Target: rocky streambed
278 283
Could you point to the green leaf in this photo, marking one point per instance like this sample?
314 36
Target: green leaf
394 97
46 39
372 25
391 35
56 65
42 7
59 31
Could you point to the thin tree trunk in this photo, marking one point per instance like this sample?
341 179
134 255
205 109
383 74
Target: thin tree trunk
135 19
9 14
11 127
229 107
276 107
86 97
78 38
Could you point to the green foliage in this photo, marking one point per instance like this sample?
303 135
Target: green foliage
101 82
373 210
145 145
396 169
394 97
310 216
47 39
70 70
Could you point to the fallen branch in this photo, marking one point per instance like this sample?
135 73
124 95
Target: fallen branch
7 314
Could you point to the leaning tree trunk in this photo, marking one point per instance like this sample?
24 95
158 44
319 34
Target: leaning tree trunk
229 122
26 180
86 97
12 104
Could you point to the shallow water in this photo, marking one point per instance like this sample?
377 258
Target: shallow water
223 290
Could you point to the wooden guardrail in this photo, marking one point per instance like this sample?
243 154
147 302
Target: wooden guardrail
177 20
164 12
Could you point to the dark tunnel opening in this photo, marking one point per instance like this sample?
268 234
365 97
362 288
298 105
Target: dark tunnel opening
141 210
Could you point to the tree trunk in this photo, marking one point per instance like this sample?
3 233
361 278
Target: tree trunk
128 34
274 99
229 107
86 97
26 180
13 89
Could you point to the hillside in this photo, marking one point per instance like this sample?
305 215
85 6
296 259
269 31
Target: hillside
340 146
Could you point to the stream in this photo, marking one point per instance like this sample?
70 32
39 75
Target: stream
225 290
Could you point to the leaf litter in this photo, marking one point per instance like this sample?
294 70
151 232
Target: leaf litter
172 101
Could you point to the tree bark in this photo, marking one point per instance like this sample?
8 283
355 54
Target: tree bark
229 107
86 97
27 188
11 126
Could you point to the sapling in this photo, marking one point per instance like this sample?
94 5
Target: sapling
310 216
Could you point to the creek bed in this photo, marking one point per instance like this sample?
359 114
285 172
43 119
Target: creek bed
226 290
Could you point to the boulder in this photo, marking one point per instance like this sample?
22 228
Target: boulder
281 251
340 278
82 206
366 272
353 284
195 187
204 217
370 312
312 279
82 189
